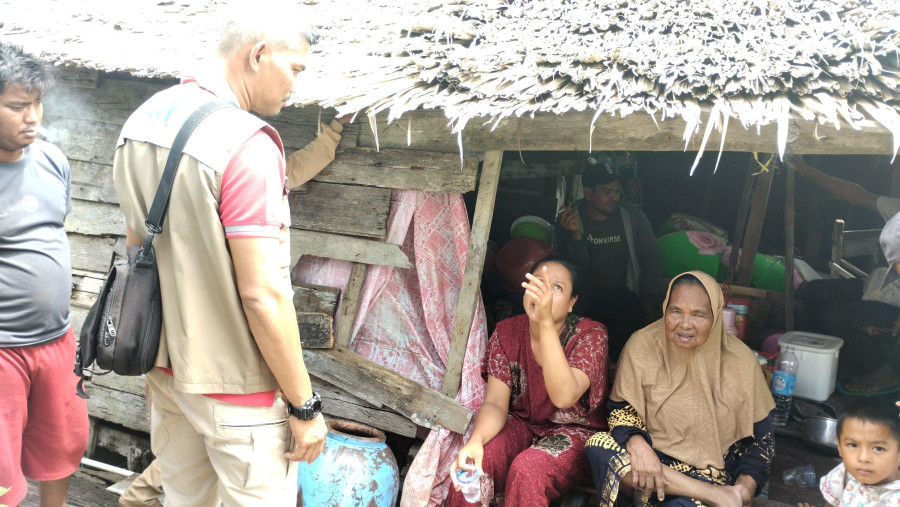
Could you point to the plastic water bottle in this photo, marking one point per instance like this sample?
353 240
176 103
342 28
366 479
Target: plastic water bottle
783 386
469 484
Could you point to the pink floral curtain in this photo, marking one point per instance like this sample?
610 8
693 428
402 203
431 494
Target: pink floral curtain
406 318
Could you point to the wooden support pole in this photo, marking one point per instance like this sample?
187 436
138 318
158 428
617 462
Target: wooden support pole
789 248
350 304
895 181
738 240
755 223
471 282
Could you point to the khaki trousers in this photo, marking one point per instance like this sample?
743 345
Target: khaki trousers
145 490
211 451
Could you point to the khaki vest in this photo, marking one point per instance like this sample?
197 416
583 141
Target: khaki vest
206 339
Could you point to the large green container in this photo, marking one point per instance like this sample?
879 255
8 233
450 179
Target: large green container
678 222
768 273
691 250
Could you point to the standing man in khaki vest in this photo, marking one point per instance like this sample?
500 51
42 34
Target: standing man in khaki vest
230 367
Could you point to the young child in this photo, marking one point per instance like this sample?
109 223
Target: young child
868 437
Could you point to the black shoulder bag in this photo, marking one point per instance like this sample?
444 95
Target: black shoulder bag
121 331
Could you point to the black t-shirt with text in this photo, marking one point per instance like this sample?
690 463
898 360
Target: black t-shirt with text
608 250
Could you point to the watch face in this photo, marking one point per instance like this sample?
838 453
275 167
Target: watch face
308 410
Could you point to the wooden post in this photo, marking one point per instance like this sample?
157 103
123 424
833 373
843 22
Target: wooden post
754 225
895 181
350 304
471 283
789 248
738 240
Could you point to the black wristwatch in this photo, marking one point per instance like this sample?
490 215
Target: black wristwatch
307 411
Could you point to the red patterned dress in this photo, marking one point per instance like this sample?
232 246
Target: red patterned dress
539 453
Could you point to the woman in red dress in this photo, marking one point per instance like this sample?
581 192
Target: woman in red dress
546 388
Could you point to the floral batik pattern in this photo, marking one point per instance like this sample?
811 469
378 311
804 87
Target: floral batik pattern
518 383
750 455
554 445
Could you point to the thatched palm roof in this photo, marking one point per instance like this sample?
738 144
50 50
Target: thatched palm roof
756 61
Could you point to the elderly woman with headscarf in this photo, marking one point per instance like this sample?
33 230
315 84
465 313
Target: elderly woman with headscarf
689 409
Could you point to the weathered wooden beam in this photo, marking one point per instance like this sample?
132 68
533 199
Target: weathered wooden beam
297 126
471 282
85 140
341 209
92 181
381 386
86 286
346 248
352 298
316 330
78 315
516 170
122 442
91 253
755 223
315 305
636 132
570 131
95 219
119 407
315 298
339 403
76 77
125 383
111 100
403 169
121 254
89 281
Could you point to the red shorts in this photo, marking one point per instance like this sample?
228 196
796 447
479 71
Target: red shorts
43 424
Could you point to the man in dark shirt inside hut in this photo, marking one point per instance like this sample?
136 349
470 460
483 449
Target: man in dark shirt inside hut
612 241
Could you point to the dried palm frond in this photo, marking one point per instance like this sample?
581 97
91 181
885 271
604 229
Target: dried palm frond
758 62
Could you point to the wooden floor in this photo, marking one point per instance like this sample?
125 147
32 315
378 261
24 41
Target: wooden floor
87 488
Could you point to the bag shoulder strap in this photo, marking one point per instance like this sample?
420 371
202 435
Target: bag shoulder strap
161 201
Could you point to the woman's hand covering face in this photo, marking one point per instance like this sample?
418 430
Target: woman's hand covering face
548 293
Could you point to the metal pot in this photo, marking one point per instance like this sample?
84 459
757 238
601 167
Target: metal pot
821 433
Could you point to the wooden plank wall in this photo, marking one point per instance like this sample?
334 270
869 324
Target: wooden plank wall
341 214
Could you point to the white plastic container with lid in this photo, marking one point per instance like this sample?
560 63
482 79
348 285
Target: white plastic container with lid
818 355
